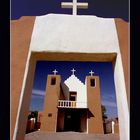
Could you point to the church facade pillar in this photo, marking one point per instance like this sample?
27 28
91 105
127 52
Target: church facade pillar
95 122
49 119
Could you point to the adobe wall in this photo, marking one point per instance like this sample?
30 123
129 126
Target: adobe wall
95 121
21 31
60 121
83 122
49 120
116 128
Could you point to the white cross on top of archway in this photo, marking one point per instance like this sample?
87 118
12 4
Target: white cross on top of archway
55 71
73 70
74 5
91 73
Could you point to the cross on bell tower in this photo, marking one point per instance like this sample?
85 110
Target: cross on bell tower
73 70
91 73
55 71
74 5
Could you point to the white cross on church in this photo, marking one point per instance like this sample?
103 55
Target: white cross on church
74 5
73 70
55 71
91 73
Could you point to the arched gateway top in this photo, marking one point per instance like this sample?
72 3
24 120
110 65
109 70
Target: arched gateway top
68 33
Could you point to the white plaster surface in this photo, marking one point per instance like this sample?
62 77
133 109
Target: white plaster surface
112 124
122 104
74 84
67 33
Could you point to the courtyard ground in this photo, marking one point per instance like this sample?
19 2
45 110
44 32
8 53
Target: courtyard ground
40 135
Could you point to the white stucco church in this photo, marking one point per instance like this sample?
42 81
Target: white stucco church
74 84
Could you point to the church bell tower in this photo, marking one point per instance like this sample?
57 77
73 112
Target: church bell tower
95 122
50 104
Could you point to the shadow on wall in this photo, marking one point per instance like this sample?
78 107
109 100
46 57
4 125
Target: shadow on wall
34 121
101 8
90 114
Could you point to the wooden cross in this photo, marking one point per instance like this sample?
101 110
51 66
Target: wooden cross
74 5
73 70
55 71
91 73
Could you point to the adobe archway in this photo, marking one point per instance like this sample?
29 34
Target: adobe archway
33 57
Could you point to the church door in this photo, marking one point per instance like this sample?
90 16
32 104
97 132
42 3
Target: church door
72 121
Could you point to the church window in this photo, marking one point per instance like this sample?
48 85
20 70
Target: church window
53 81
49 114
73 96
92 82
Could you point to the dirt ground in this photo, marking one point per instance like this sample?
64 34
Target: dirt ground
40 135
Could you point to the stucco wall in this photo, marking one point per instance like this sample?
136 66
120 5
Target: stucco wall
95 122
83 121
21 31
116 128
66 33
49 123
60 121
20 39
123 36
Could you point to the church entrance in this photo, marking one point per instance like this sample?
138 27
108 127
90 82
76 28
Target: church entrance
72 121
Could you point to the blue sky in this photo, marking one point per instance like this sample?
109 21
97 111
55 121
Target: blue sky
102 69
101 8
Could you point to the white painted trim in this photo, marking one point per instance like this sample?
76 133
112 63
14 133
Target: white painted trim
112 126
87 123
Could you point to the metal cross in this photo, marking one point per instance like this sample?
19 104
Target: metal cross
55 71
91 73
74 5
73 70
